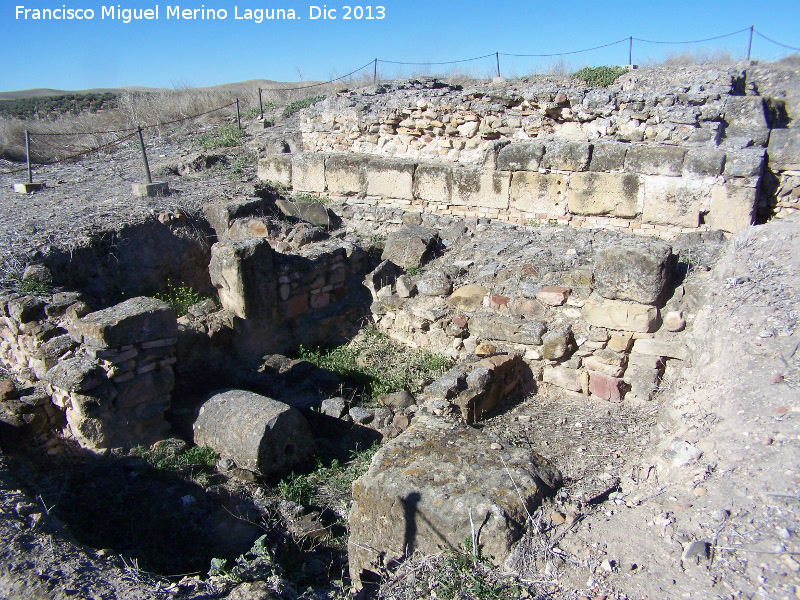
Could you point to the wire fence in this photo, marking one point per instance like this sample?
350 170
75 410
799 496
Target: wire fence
374 63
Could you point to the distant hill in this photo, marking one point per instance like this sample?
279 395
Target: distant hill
230 87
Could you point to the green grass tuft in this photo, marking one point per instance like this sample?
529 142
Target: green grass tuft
298 105
602 76
180 298
227 136
379 365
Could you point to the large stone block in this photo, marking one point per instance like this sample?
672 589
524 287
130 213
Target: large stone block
409 246
425 488
346 173
615 194
133 321
390 179
244 275
732 207
315 213
468 297
620 315
538 193
507 328
276 168
655 160
433 183
480 188
608 156
308 172
747 163
566 156
673 200
784 149
638 270
745 112
705 162
521 157
258 433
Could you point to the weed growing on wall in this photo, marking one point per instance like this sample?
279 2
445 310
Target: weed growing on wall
600 76
298 105
312 198
180 297
378 365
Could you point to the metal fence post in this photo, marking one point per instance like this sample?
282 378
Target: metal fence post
260 104
238 116
497 57
375 73
28 154
144 156
750 43
630 50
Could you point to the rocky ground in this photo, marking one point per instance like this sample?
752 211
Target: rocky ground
692 495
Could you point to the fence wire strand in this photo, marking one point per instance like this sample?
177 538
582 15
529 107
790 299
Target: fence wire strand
773 41
717 37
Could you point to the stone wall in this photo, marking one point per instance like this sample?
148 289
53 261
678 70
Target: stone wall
103 379
652 189
665 149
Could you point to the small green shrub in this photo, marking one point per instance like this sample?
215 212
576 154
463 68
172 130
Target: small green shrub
32 286
296 488
180 297
227 136
242 163
602 76
533 223
298 105
413 270
166 458
378 365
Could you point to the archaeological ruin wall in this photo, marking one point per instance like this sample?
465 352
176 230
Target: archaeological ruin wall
650 155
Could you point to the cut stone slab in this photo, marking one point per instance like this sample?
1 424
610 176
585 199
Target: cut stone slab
490 380
784 149
637 270
733 207
150 190
619 315
397 400
244 275
311 212
468 297
563 377
663 348
409 246
650 159
521 157
131 322
507 328
258 433
606 387
421 487
615 194
28 187
276 168
308 172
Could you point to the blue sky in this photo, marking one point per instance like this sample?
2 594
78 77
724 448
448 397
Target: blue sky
80 54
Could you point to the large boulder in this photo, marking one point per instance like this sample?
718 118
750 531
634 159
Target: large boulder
409 246
425 487
258 433
637 270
